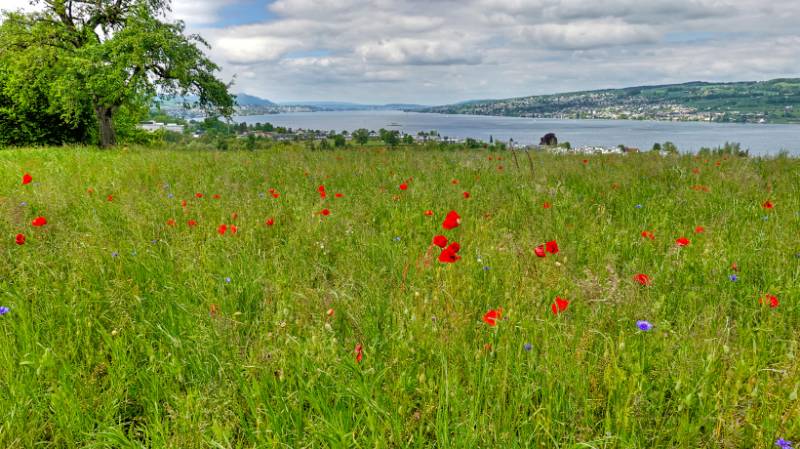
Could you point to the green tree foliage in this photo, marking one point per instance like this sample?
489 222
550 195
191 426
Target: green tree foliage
669 148
102 58
391 138
361 136
339 141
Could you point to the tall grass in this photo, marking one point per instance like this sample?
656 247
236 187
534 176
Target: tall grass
124 331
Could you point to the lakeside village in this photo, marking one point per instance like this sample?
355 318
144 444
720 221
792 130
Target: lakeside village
332 139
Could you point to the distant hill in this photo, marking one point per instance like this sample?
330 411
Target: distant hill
775 101
345 106
251 105
250 100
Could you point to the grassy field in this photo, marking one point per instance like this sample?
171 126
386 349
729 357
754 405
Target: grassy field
124 330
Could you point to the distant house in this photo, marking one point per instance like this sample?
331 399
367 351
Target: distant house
155 126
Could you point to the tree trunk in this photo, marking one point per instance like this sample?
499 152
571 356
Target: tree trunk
105 120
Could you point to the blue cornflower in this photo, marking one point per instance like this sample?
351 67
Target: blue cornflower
486 268
170 195
397 239
4 310
733 278
154 241
528 347
23 204
765 217
227 280
262 195
114 254
783 444
638 206
644 325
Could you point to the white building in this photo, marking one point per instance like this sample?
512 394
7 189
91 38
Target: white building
155 126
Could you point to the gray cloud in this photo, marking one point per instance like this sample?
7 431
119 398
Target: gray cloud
440 51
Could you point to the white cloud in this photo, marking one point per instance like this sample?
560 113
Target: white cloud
439 51
588 34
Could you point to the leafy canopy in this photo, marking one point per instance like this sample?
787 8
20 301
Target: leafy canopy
101 58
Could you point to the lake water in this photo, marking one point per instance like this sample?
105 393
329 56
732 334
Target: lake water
688 136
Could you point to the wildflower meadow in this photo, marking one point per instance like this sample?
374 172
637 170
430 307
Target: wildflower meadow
392 298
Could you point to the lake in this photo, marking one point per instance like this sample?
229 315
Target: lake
688 136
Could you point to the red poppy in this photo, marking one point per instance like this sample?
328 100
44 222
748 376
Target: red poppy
321 190
325 212
329 313
559 305
734 267
359 351
428 212
452 220
90 190
547 205
39 221
192 223
183 203
171 222
466 195
696 171
198 195
20 239
216 196
222 229
213 310
585 161
450 254
338 195
110 198
275 194
768 205
26 178
648 235
771 299
683 241
454 182
492 316
270 222
403 186
440 241
234 215
642 279
539 251
234 229
551 247
699 230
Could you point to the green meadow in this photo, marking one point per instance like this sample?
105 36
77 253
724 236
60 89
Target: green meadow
125 327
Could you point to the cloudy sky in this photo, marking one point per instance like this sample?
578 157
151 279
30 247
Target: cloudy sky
444 51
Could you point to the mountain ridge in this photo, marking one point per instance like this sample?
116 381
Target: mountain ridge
772 101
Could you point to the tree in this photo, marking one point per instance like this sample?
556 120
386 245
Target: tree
408 139
109 57
361 136
669 148
391 138
339 141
